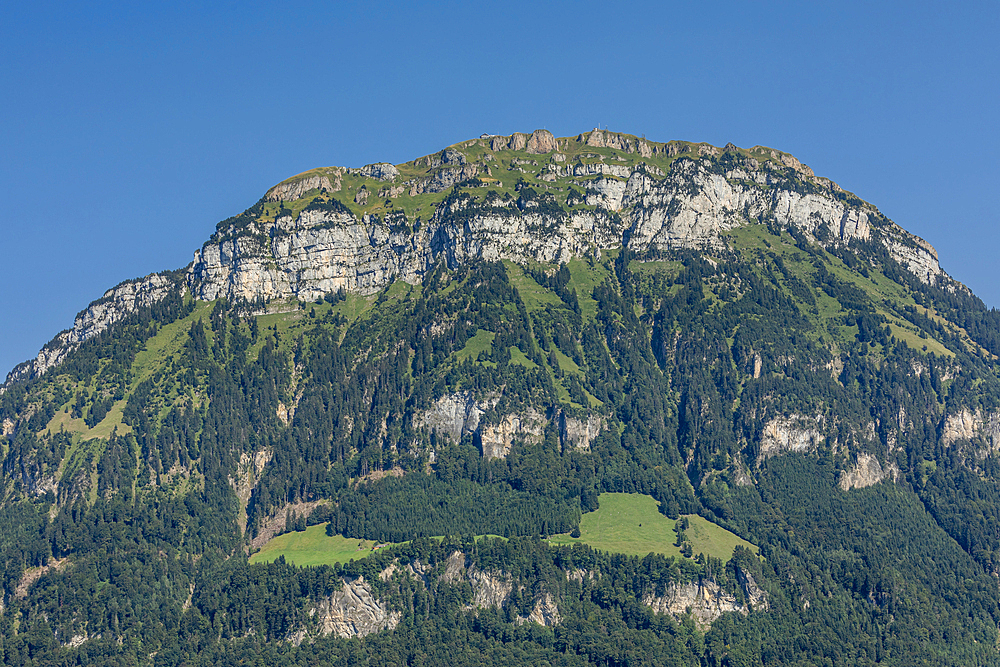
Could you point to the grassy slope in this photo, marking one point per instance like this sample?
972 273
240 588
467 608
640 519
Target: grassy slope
615 527
313 547
630 523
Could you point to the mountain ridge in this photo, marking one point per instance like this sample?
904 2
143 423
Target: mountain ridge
716 335
579 202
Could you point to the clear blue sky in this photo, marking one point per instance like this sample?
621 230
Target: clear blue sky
127 130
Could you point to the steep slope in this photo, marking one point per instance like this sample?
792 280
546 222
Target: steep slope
482 341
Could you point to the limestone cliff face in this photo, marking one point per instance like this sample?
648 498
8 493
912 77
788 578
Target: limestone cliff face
978 427
116 304
624 200
493 588
867 471
579 433
794 433
315 252
455 415
706 600
352 611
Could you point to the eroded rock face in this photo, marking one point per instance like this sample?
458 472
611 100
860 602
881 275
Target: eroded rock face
867 472
541 141
706 600
294 189
691 206
319 251
579 433
794 433
492 589
382 171
453 415
545 612
116 304
459 414
497 439
353 611
977 427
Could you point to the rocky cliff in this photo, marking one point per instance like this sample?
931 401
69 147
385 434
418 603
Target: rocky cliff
706 601
353 611
645 195
524 197
116 304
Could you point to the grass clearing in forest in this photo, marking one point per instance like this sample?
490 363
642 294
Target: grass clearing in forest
631 523
481 342
535 296
314 547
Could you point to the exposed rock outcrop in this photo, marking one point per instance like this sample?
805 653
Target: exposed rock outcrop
31 575
293 188
352 611
579 433
492 589
867 472
321 250
382 171
541 141
248 474
706 601
977 427
691 206
116 304
458 414
497 439
794 433
545 612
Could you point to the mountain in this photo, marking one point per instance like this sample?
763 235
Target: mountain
501 339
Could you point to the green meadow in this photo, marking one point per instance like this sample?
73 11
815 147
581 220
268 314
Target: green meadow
631 523
627 523
314 547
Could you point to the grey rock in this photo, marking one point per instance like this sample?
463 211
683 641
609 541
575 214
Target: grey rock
293 189
382 171
352 611
706 601
116 304
692 206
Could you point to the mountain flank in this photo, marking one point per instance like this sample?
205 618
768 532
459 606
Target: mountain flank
592 400
522 198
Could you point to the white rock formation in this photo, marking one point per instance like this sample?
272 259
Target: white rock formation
497 439
579 433
320 251
793 433
867 472
458 414
352 611
545 612
972 426
707 601
296 188
117 303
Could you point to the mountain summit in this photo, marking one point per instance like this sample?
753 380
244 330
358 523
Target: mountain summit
523 197
526 400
